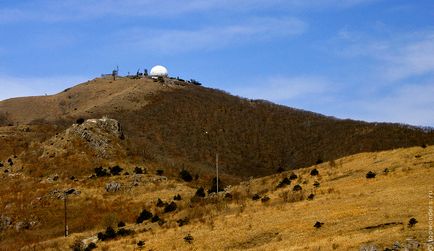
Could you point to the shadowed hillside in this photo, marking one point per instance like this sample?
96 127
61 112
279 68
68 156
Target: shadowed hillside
186 124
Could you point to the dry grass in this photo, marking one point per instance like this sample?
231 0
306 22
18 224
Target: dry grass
351 207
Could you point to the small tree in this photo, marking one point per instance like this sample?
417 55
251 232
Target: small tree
186 176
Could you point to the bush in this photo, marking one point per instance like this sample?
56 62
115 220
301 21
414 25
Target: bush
186 176
297 188
293 176
280 169
423 145
80 121
144 215
370 175
311 196
188 238
177 197
256 197
228 196
116 170
138 170
160 203
101 172
318 224
316 184
182 222
314 172
156 218
121 224
265 199
412 222
90 246
140 244
170 208
108 235
200 192
160 172
213 188
284 182
319 161
124 232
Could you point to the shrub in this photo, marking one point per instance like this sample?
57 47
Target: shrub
160 172
319 161
80 121
318 224
314 172
155 218
424 145
186 176
200 192
101 172
116 170
182 222
412 222
213 188
370 175
284 182
256 197
311 196
124 232
280 169
316 184
108 235
90 246
188 238
121 224
144 215
293 176
177 197
170 207
228 196
140 244
297 188
77 245
138 170
386 170
265 199
160 203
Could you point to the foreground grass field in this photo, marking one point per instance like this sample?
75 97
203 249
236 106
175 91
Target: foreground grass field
356 211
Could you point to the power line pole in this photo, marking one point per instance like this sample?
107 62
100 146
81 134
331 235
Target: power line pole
217 170
66 222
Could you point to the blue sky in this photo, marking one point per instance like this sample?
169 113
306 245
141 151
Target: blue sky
369 60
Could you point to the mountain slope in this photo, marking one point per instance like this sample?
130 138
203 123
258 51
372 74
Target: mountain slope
184 126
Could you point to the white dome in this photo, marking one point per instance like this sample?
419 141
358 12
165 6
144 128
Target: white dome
159 71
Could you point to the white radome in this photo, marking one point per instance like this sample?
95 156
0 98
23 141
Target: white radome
159 71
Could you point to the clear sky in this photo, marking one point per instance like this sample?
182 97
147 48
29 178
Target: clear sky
369 60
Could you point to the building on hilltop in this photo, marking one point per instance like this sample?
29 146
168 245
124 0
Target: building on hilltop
158 71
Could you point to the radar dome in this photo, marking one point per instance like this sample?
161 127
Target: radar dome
159 71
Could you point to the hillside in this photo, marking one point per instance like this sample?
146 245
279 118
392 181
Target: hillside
355 211
182 126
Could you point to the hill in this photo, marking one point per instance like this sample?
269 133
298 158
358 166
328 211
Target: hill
183 126
259 214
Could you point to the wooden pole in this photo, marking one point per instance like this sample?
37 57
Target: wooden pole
66 222
217 170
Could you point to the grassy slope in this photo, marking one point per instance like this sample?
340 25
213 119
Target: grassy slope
167 123
346 202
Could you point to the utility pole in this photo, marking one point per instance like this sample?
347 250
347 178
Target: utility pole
217 170
66 222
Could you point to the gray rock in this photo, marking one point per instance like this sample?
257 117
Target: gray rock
112 187
5 222
22 225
